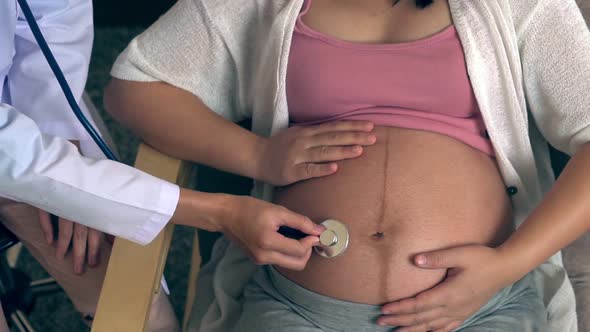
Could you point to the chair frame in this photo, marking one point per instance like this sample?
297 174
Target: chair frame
134 271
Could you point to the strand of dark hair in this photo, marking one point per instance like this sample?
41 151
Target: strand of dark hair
419 3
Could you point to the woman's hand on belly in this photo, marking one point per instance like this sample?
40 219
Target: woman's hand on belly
474 274
300 153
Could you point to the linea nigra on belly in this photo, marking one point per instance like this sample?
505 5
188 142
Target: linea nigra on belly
378 235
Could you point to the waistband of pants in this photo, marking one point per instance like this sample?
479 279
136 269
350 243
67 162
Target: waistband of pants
327 312
332 314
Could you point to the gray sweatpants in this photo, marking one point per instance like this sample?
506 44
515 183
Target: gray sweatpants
274 303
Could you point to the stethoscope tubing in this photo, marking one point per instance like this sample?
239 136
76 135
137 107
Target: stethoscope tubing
63 83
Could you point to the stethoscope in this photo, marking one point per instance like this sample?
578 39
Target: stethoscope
333 240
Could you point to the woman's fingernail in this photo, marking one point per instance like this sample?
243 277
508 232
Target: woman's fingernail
78 269
357 149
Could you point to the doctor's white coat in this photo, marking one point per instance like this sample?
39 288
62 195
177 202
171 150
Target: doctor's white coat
38 165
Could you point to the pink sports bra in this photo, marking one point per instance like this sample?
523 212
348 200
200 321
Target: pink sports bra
421 85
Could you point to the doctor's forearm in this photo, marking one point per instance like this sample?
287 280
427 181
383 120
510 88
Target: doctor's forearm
177 123
202 210
562 217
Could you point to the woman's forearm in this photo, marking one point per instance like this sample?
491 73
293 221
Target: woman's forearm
562 217
177 123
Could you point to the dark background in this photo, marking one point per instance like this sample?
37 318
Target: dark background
136 13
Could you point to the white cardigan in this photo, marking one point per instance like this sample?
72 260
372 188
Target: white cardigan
529 65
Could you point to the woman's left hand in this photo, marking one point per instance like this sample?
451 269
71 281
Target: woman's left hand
475 273
84 241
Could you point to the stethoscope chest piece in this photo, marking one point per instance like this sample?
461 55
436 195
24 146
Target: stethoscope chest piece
334 240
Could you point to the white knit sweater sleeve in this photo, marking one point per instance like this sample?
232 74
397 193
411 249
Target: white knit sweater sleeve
555 50
185 49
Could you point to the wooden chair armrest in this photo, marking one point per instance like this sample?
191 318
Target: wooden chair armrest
134 272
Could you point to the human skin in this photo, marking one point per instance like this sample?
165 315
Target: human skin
411 192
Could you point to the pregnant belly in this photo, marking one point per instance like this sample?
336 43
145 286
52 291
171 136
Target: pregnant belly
411 192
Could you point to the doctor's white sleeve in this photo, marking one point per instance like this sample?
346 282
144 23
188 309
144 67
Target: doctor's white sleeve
49 173
67 25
